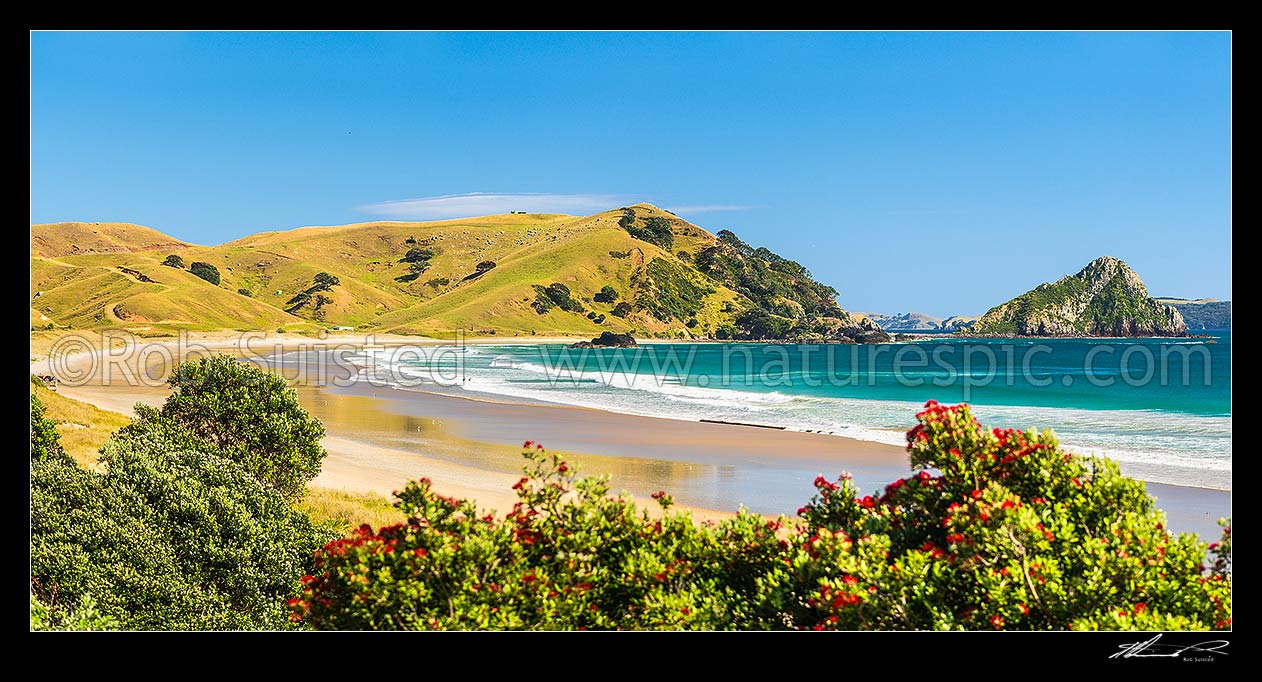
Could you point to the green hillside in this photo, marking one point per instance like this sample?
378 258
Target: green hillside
637 269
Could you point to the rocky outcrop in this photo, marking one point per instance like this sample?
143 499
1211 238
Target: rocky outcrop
607 340
1202 313
957 323
1106 298
905 321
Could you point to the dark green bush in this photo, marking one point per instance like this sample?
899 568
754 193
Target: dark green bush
607 294
45 441
206 271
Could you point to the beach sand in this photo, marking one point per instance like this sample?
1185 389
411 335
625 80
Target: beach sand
381 437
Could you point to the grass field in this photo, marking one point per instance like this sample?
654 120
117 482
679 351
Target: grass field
344 510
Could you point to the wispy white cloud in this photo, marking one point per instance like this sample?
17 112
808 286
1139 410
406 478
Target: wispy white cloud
715 208
485 203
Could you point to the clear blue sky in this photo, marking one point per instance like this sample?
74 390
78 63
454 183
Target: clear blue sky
940 172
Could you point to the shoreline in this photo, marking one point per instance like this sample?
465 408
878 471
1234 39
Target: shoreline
701 463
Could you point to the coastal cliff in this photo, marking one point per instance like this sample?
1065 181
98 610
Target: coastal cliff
1106 298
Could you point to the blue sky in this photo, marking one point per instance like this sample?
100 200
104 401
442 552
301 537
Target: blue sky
939 172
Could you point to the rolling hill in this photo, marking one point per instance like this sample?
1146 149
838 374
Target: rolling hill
637 269
1105 298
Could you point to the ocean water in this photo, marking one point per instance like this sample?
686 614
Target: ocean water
1161 407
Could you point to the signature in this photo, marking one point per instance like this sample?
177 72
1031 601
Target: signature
1151 649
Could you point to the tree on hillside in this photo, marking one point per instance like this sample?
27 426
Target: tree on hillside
607 294
206 271
174 261
242 413
416 255
324 281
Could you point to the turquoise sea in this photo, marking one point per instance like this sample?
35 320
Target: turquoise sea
1161 407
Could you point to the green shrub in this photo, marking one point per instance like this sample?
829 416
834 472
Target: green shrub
607 294
240 412
1013 534
418 255
555 295
174 261
656 230
245 292
81 616
621 310
45 441
670 292
163 540
324 281
206 271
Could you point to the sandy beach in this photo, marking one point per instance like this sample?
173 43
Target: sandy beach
380 437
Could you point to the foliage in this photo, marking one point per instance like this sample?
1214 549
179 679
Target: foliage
1013 533
206 271
174 261
165 539
81 428
620 254
555 294
670 291
775 287
759 324
607 294
324 281
299 300
240 412
81 616
417 255
244 292
45 443
656 229
621 310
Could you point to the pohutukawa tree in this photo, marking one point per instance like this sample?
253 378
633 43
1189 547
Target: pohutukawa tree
1011 532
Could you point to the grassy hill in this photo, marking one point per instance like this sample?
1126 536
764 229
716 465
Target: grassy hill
71 239
510 274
